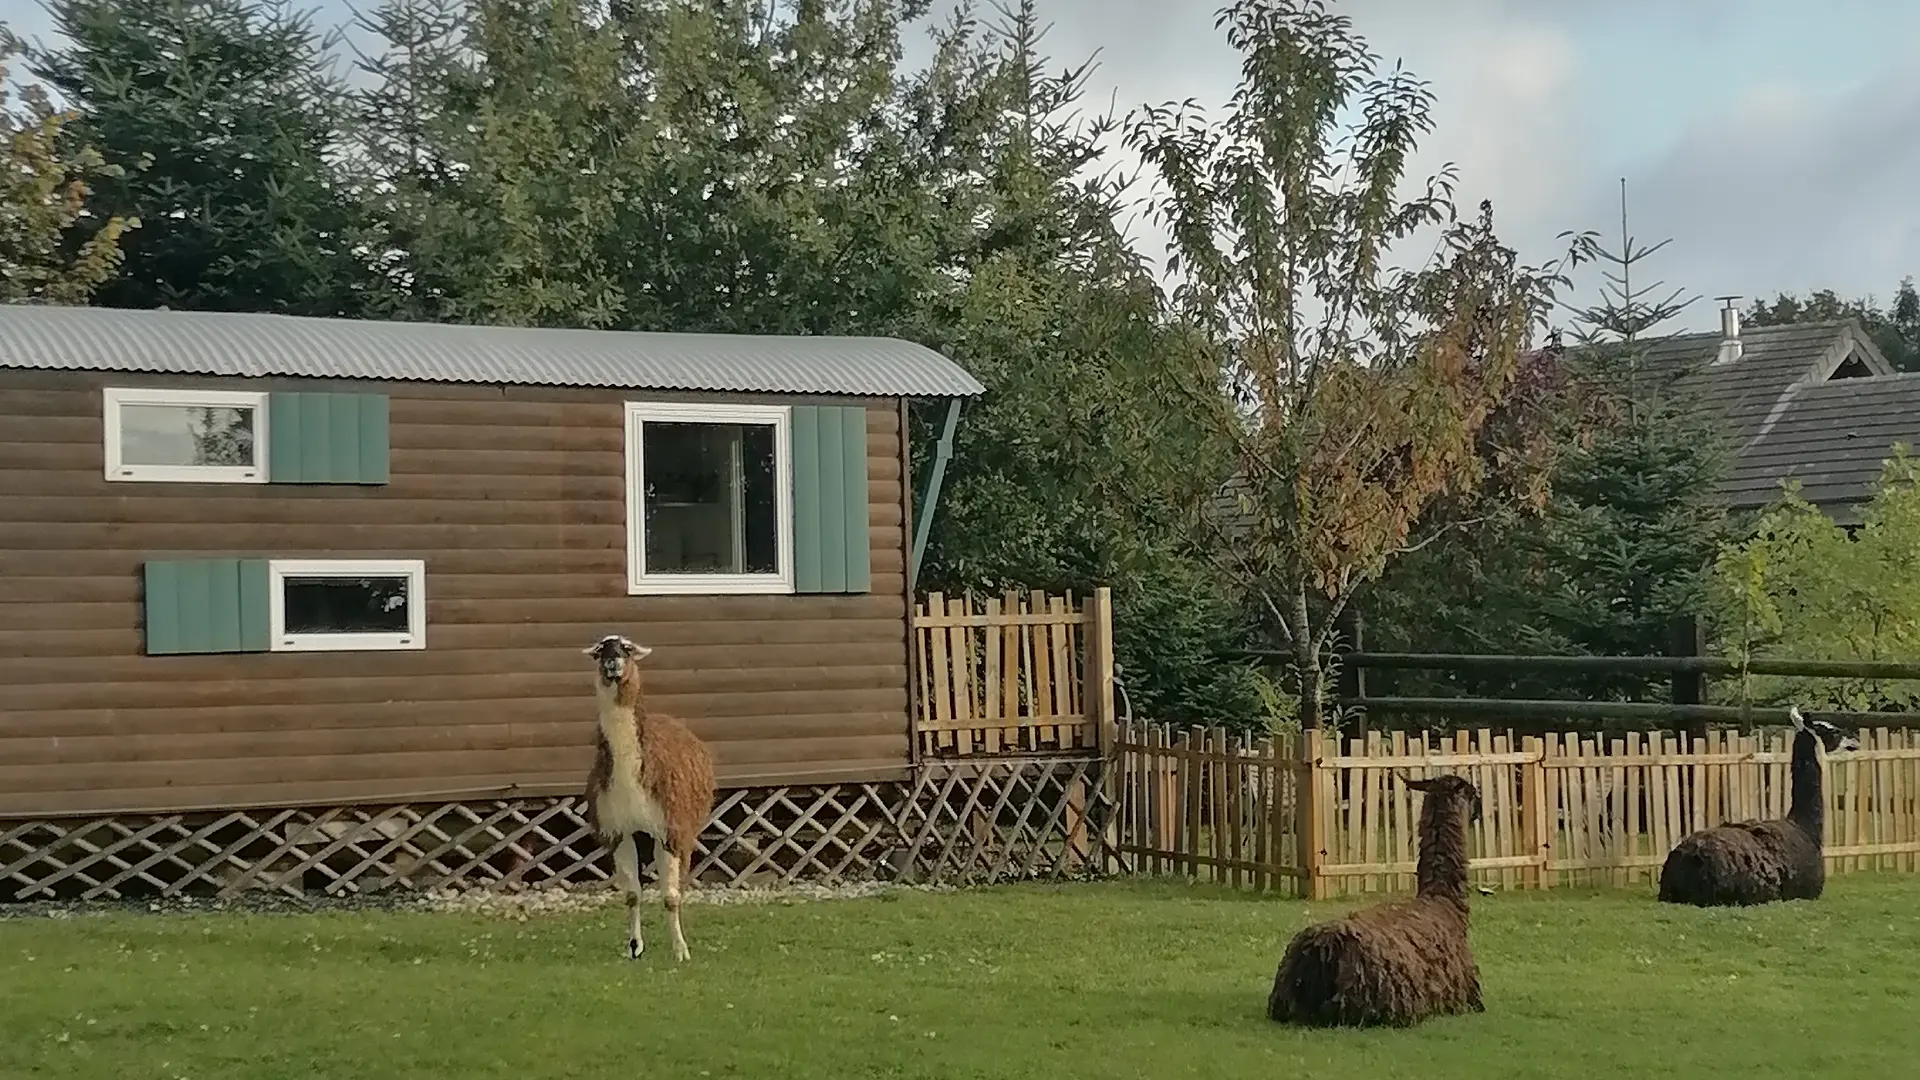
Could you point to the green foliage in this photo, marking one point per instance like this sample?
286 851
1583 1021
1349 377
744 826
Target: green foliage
727 167
1895 329
55 245
1059 320
1806 587
1622 549
222 117
1351 396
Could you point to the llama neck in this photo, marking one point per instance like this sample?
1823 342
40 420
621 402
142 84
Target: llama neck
1809 809
620 719
1442 868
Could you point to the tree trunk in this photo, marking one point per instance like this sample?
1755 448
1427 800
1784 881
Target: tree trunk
1306 662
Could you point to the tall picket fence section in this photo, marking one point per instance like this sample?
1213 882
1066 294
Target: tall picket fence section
1017 674
1308 816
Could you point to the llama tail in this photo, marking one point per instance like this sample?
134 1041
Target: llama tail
1308 987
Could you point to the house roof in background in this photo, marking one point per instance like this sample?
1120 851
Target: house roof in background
1795 408
1773 360
1833 437
251 345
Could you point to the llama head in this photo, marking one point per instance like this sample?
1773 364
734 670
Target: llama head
613 655
1827 737
1457 790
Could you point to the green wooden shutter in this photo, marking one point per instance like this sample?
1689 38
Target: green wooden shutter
206 606
325 438
829 457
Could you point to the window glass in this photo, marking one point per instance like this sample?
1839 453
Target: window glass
710 498
186 435
346 605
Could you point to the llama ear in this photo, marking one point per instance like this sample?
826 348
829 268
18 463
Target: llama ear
1793 714
1417 785
638 651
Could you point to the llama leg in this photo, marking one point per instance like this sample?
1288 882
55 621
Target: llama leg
626 864
667 865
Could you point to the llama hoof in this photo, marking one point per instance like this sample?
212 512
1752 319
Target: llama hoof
681 954
634 948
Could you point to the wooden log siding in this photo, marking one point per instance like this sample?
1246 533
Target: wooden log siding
514 498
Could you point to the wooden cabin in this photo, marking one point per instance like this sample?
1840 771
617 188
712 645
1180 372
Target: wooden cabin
258 560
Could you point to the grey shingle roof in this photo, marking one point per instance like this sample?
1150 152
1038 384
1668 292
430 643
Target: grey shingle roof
1788 416
213 343
1832 437
1773 359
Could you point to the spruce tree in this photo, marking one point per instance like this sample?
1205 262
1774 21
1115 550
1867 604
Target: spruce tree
223 117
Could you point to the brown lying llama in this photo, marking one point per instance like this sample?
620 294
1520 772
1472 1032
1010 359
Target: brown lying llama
1398 963
651 777
1756 862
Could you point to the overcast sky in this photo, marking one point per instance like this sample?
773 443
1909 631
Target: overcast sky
1775 146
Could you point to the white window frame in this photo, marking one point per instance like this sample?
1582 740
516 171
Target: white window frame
114 397
279 570
642 583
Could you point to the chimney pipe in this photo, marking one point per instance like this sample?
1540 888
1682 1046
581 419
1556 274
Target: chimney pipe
1730 346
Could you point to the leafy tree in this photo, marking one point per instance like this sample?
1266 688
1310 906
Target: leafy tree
1061 321
222 116
543 163
658 165
1804 586
55 247
1895 329
1623 546
1352 396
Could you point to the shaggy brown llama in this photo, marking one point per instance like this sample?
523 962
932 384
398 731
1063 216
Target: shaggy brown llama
1398 963
651 777
1756 862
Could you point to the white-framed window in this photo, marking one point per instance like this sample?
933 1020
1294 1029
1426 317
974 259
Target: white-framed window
186 436
709 498
346 605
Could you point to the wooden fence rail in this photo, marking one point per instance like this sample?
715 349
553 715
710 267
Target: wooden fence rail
1014 674
1308 816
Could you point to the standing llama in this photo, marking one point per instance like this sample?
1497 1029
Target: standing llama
650 776
1756 862
1398 963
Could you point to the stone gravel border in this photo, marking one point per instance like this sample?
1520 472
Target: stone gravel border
520 903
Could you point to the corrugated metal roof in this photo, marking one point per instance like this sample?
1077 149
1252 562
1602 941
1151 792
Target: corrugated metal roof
218 343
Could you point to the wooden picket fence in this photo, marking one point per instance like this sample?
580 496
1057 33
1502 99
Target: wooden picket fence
1309 817
1014 674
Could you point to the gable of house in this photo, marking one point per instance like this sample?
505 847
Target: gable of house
1814 402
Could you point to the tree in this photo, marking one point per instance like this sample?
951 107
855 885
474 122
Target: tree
1623 545
222 117
1895 329
55 247
1806 587
1061 321
1352 396
1635 518
652 165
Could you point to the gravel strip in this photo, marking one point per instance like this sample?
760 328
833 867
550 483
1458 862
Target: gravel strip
519 904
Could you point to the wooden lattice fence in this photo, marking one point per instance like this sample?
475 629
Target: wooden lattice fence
1309 817
960 823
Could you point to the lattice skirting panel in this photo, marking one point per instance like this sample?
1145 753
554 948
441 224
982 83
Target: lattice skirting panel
957 823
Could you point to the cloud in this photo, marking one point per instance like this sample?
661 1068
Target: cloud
1792 191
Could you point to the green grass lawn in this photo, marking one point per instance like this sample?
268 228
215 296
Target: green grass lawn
1096 981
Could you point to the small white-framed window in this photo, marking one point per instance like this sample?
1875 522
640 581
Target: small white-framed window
709 498
186 436
346 605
